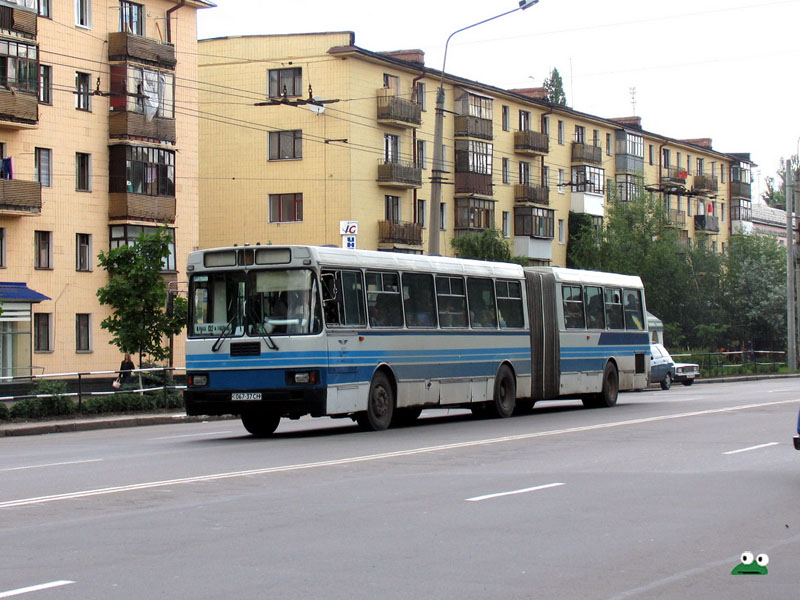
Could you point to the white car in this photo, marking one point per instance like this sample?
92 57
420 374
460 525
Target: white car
664 370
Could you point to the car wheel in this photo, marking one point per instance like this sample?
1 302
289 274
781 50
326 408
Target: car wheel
666 383
688 382
260 424
505 393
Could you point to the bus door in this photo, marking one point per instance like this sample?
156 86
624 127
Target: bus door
349 371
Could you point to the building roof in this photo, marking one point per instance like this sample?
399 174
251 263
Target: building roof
765 214
19 292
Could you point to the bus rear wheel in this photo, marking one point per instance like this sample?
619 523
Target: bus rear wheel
505 393
260 424
380 405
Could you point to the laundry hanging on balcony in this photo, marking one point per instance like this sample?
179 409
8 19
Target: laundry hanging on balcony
153 85
7 168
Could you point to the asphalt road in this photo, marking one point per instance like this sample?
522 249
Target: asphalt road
655 498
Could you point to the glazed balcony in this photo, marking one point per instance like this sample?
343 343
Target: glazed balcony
20 198
705 183
18 20
399 175
706 224
125 124
18 109
474 127
398 112
586 153
399 232
676 218
127 205
473 183
526 192
531 142
123 46
740 189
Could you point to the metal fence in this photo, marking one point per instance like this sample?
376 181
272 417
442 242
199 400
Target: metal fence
731 362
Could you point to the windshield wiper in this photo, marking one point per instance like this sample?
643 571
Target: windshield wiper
218 343
259 325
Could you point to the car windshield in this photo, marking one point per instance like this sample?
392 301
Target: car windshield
254 303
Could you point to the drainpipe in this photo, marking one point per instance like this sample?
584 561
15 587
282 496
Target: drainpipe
414 144
169 19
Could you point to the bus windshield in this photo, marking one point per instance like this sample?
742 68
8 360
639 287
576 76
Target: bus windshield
254 303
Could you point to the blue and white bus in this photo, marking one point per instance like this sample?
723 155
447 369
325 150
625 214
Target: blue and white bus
287 331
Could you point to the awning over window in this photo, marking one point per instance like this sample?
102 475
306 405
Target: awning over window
19 292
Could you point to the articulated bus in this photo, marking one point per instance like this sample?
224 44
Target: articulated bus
287 331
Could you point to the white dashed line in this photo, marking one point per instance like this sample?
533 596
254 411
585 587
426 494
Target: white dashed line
751 448
514 492
58 464
34 588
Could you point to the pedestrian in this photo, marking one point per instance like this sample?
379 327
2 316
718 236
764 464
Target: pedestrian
126 369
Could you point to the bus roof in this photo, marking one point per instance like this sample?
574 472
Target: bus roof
584 277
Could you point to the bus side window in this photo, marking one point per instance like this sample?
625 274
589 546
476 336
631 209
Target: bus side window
383 299
509 304
595 312
573 307
633 310
419 300
480 295
614 308
452 301
344 303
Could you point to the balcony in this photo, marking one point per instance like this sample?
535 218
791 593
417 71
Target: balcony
123 46
673 175
399 232
585 153
18 109
473 183
475 127
531 142
526 192
18 20
740 189
19 198
397 112
705 183
140 207
706 224
399 175
124 124
676 218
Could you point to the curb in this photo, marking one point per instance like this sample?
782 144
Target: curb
20 429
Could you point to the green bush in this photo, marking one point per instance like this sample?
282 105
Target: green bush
56 404
117 403
29 408
3 412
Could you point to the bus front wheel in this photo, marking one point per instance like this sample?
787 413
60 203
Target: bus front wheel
505 393
380 405
260 424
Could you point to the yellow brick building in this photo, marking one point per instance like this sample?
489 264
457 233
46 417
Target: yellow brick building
277 169
98 132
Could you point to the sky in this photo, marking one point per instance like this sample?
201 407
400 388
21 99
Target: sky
700 68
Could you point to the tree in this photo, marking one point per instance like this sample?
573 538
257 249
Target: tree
136 292
554 86
485 245
775 194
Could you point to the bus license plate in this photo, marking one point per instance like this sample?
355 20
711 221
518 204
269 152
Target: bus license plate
246 396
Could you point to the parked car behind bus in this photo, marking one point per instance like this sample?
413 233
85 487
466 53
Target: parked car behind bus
664 370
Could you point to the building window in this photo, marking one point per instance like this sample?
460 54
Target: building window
524 172
142 170
608 144
143 91
131 17
42 332
546 125
43 241
18 65
391 148
665 158
588 179
580 134
83 333
506 118
533 221
561 132
126 235
83 13
562 180
473 157
45 84
2 247
651 153
632 145
421 163
506 224
700 166
285 208
83 172
475 106
82 91
46 9
285 82
442 216
629 187
392 208
722 174
421 214
472 213
286 145
546 177
83 252
505 170
391 82
595 138
421 100
42 158
524 120
561 231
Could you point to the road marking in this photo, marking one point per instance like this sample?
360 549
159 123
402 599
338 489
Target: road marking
34 588
172 437
751 448
376 457
514 492
58 464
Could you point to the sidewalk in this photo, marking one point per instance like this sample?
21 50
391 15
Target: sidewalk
86 423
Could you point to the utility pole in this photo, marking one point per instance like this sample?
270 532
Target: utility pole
791 337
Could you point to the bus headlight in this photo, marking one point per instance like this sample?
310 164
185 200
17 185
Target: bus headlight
302 377
196 380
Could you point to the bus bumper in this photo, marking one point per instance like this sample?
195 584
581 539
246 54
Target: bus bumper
292 403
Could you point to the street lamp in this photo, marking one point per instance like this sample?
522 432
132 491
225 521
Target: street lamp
438 162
